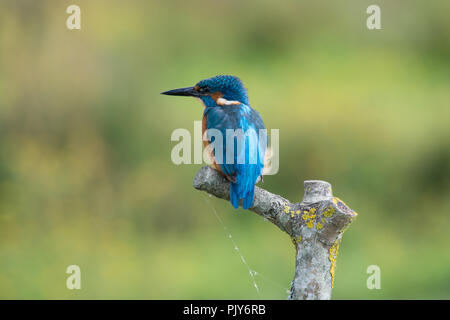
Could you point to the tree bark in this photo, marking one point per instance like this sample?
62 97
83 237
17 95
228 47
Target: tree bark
315 226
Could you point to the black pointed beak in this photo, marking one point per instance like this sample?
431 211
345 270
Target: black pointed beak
185 92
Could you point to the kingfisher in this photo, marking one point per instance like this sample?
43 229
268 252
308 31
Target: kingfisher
239 154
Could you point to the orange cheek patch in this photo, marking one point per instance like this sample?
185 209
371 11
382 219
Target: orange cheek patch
216 96
220 101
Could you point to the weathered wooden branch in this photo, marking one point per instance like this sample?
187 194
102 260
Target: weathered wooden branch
315 226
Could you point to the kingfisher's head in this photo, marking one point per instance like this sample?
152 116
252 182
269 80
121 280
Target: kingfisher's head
216 91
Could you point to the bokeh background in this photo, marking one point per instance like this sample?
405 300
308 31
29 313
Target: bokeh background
85 171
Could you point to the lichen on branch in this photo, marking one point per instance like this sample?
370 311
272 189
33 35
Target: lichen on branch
315 225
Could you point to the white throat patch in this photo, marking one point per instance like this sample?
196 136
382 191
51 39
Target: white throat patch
225 102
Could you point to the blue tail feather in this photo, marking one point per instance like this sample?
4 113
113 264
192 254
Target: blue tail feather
236 194
248 200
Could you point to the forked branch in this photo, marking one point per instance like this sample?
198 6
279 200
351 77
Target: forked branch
315 226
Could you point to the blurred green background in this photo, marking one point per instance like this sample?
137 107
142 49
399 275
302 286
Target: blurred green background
85 170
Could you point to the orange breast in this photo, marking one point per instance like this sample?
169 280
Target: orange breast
206 143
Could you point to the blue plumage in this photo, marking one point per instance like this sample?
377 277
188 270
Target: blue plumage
240 156
248 154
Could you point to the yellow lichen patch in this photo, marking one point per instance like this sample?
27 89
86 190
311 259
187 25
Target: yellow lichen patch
329 212
342 205
286 209
319 226
309 217
336 200
298 212
333 257
299 239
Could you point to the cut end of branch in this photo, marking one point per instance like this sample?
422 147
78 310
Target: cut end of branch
211 181
316 190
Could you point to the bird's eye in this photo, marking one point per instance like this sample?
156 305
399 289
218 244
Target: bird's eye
203 90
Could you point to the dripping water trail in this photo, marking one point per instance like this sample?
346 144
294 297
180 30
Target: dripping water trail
276 284
250 271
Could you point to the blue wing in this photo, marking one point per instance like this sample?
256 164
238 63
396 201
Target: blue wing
241 154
